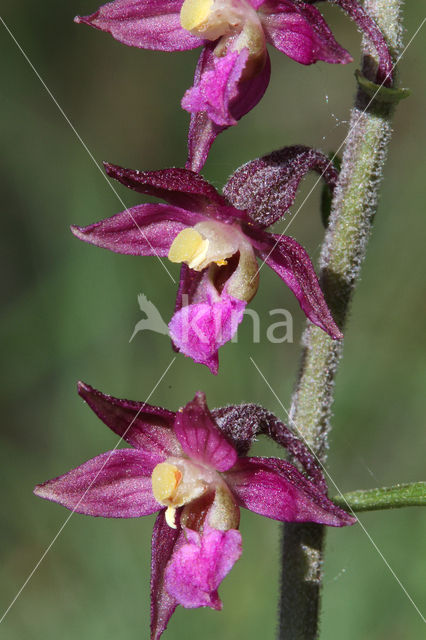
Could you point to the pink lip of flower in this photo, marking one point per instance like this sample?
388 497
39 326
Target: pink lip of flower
183 466
217 245
234 68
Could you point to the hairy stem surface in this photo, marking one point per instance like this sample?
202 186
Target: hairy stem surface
343 251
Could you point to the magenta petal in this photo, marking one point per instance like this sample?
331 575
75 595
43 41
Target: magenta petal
276 489
200 438
198 567
179 187
291 262
198 330
147 24
216 87
300 31
145 230
116 484
164 541
143 426
202 129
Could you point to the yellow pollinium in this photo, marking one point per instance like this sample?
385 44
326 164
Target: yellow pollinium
189 246
194 13
165 482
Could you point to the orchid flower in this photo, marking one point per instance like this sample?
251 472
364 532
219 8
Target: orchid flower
234 68
186 468
217 244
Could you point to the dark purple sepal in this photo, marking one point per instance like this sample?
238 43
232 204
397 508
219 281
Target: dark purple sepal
276 489
147 24
164 541
116 484
179 187
291 262
370 28
266 187
243 423
143 426
144 230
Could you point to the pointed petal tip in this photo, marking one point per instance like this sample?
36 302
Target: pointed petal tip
200 397
83 389
82 19
110 169
215 602
214 368
86 19
38 490
78 232
336 334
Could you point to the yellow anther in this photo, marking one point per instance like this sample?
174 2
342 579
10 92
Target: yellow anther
194 13
221 263
189 246
165 481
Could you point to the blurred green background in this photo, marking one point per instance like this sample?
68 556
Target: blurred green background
69 310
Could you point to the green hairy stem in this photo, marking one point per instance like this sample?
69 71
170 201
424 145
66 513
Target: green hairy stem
400 495
343 251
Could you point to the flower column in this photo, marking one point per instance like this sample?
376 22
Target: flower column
344 247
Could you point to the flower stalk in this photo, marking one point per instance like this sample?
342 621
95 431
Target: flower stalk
353 208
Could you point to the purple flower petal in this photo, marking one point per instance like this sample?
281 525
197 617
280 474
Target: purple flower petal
266 187
116 484
200 438
178 187
300 31
198 330
216 86
291 262
145 230
165 541
147 24
198 567
202 129
143 426
276 489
